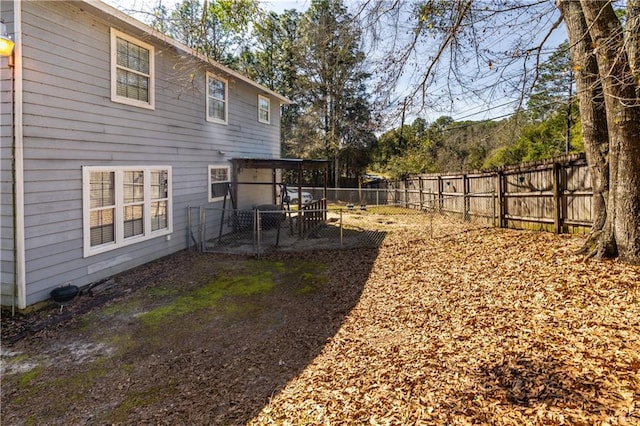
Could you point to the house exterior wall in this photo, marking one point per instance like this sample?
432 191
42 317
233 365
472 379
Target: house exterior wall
70 122
7 265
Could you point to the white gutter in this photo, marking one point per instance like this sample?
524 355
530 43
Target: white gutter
20 264
109 10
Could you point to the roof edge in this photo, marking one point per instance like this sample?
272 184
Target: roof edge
118 14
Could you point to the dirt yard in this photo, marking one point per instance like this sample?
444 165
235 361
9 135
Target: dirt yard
476 326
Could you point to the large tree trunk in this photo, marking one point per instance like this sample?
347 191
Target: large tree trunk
632 40
592 112
622 228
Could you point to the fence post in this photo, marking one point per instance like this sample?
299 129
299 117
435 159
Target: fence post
396 192
564 194
202 228
340 228
420 192
494 199
440 200
257 228
465 199
557 197
324 209
405 183
188 228
502 202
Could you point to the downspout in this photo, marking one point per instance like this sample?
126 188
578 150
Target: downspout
18 160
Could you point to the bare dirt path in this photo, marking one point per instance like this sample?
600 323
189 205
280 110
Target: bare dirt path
207 341
476 326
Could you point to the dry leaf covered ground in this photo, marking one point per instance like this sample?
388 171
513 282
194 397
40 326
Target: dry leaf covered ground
485 326
475 326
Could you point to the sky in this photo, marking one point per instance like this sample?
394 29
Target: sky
275 5
460 109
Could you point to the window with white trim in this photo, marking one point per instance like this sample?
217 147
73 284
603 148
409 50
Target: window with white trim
219 180
217 95
132 69
125 205
264 109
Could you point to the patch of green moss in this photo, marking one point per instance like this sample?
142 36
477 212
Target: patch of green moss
305 289
252 277
537 227
208 295
309 277
84 324
274 266
128 368
120 307
17 358
136 400
260 282
79 381
30 375
75 387
239 309
160 291
122 343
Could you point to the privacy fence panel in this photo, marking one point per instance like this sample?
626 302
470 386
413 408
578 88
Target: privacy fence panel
412 194
578 193
452 194
553 195
529 198
431 191
482 197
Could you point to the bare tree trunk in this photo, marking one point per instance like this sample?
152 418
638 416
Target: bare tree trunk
632 40
592 113
622 228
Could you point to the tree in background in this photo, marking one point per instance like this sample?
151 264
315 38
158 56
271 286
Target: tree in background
404 151
314 59
553 88
536 141
274 62
358 138
604 54
332 71
553 109
219 29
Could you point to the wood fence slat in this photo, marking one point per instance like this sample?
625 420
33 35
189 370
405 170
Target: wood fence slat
557 191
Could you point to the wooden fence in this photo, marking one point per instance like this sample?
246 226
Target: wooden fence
553 195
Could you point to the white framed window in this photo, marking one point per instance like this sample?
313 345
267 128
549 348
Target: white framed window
217 96
219 180
264 109
124 205
132 71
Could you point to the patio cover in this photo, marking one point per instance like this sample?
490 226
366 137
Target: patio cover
274 164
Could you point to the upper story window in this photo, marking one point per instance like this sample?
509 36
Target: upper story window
132 69
217 95
125 205
264 109
219 179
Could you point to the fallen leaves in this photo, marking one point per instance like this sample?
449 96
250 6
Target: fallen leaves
482 326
